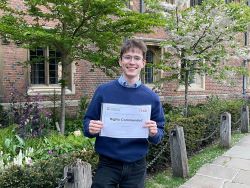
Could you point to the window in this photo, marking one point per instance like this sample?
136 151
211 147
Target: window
230 1
181 4
195 2
5 40
171 1
130 4
192 76
44 66
196 81
149 72
45 72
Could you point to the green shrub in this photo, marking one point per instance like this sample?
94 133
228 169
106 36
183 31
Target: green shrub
56 144
172 112
52 145
33 122
45 173
1 115
8 141
199 126
5 120
194 128
82 107
72 125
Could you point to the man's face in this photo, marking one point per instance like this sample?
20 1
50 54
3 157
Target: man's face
132 62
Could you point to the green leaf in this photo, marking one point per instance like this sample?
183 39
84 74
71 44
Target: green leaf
20 140
7 142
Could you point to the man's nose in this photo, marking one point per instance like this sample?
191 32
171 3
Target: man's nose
132 60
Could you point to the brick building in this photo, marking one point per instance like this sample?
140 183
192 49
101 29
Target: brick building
43 78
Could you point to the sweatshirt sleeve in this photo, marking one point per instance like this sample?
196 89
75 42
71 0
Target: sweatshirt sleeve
157 115
93 112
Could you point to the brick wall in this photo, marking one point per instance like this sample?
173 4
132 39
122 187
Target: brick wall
14 73
87 78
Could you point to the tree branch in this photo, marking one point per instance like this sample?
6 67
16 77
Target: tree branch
216 41
83 20
201 37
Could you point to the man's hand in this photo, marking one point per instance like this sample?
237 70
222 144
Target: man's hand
152 127
95 126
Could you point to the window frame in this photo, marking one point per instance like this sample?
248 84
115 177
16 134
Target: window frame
157 56
195 2
47 88
150 68
47 63
194 86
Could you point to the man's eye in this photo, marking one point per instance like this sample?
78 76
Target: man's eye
137 58
127 57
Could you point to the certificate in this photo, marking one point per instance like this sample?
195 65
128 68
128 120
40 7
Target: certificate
125 121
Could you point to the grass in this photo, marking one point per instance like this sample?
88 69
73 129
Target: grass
207 155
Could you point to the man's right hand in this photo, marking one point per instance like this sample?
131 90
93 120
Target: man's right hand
95 126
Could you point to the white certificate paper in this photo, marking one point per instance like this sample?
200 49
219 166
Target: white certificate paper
125 121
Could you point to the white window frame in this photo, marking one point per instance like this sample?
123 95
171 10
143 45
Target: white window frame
50 89
198 85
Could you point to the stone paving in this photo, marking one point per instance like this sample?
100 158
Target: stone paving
231 170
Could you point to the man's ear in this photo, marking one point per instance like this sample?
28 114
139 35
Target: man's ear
120 62
144 63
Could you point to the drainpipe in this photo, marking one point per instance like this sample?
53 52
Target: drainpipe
244 79
142 6
244 84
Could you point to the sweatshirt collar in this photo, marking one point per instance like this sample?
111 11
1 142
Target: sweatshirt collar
122 81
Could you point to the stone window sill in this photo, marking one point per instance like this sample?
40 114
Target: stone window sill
47 90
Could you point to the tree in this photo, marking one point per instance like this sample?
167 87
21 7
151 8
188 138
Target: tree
201 38
80 29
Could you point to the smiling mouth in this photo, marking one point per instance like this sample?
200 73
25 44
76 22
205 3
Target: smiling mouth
132 68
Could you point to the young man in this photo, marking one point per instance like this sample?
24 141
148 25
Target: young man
122 160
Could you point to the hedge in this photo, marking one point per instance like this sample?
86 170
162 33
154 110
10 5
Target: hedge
43 174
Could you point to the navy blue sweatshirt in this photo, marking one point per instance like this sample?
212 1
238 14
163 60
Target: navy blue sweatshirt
124 149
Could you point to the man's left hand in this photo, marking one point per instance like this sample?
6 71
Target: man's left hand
152 127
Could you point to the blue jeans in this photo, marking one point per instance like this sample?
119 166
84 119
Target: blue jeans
113 174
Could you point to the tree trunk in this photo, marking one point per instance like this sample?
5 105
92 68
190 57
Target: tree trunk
186 92
62 117
62 113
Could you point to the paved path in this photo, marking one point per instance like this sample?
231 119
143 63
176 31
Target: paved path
231 170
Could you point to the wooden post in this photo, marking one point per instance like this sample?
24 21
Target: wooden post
244 119
179 159
225 130
80 173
